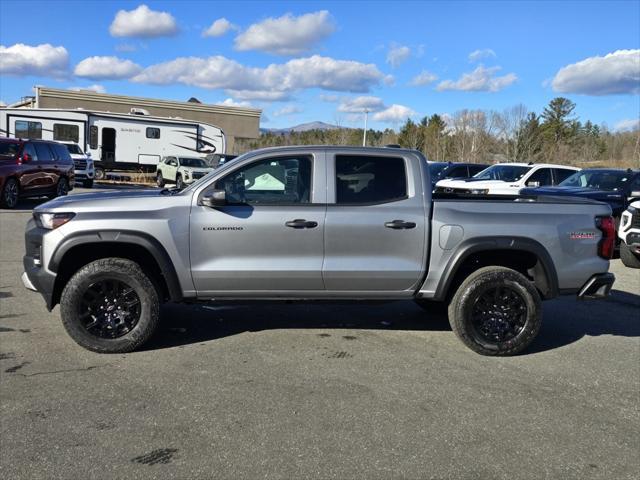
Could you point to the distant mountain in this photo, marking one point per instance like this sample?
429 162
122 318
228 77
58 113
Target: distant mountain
303 127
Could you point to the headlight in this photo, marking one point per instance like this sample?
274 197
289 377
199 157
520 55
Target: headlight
479 191
51 221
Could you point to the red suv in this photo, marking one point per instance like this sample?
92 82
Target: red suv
33 168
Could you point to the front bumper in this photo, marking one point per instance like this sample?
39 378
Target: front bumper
35 276
84 174
598 286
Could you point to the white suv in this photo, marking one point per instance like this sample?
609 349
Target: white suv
83 164
629 233
508 179
181 170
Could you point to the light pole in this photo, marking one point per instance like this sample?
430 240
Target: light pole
364 135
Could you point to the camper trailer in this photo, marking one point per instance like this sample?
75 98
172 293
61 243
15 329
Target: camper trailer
116 141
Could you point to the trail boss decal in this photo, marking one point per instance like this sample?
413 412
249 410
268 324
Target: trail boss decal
582 235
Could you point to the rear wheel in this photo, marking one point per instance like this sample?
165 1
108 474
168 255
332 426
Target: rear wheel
179 182
100 173
110 306
496 311
61 189
627 256
160 180
10 193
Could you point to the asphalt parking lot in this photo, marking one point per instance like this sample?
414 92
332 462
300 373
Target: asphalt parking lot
323 391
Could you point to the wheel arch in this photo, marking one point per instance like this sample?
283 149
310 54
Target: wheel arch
526 255
80 249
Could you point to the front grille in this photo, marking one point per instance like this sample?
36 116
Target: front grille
80 164
635 219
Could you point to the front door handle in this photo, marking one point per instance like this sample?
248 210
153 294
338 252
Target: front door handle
301 223
399 224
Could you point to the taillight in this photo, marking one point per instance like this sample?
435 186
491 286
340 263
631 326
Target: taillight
608 228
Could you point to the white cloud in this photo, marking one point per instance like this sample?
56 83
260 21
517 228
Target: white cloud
44 59
287 35
274 82
477 55
360 104
423 78
287 110
106 68
615 73
329 98
393 114
219 28
92 88
482 79
397 55
628 125
230 102
143 22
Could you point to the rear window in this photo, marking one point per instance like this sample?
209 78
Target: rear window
9 150
369 180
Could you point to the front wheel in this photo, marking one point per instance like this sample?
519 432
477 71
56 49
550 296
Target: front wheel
110 306
496 311
629 259
179 182
10 193
99 173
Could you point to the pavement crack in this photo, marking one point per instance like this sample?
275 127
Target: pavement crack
86 369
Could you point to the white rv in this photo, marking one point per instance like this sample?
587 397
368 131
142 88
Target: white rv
134 141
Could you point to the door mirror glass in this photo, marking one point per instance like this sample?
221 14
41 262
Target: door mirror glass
214 198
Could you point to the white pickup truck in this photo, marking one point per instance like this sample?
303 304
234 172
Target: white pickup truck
507 179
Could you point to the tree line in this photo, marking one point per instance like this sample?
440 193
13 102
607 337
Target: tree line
513 135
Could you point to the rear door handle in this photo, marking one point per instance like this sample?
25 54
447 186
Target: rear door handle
400 224
301 223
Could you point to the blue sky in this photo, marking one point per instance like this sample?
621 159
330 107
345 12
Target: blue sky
306 61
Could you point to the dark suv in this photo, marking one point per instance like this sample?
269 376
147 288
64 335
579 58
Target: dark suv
33 168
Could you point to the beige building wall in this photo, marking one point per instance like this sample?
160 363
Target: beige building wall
235 122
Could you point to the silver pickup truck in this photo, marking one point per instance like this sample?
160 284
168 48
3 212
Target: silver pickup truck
315 223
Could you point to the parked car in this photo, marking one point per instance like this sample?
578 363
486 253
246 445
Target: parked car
33 168
445 170
507 179
181 170
613 186
629 234
83 163
315 223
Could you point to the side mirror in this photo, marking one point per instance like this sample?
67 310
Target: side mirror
88 154
533 184
214 198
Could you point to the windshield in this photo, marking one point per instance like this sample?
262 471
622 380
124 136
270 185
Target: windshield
599 179
193 162
75 149
436 168
9 150
506 173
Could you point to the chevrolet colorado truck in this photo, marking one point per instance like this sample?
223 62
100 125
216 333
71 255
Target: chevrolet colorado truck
315 223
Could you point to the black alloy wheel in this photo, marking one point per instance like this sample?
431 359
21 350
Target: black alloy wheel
499 315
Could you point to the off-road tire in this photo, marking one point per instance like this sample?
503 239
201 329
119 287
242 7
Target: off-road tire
179 182
10 194
114 269
481 282
629 259
87 183
159 180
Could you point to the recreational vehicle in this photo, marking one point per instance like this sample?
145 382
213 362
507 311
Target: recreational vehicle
116 141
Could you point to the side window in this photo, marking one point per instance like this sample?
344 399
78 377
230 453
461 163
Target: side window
272 181
44 154
93 137
153 132
66 133
172 161
562 174
365 179
31 151
542 176
28 129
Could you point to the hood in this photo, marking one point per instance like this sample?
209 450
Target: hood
110 200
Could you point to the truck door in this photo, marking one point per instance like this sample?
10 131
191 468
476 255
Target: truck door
269 235
375 225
